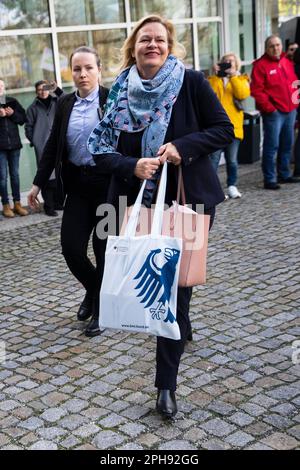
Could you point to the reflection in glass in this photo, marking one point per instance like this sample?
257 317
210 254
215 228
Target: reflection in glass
241 28
184 37
167 8
106 42
69 13
205 8
18 14
26 59
209 45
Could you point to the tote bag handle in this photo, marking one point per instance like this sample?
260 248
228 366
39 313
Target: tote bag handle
131 226
156 228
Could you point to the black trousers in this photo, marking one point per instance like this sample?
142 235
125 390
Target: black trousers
49 195
86 190
169 351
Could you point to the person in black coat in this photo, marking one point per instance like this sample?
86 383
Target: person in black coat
82 186
12 115
40 116
158 111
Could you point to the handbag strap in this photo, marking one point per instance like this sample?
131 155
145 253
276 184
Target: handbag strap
180 188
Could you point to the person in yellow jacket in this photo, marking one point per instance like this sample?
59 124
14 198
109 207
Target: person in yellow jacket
230 87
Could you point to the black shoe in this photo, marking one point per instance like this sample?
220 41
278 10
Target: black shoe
271 186
86 308
51 213
166 403
290 179
93 327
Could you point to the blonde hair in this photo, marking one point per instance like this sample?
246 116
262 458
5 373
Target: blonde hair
129 44
238 62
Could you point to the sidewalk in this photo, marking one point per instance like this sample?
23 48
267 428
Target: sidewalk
238 386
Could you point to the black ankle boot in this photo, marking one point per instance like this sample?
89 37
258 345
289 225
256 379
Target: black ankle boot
86 308
166 403
93 327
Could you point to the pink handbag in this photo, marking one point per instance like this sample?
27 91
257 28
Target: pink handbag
182 222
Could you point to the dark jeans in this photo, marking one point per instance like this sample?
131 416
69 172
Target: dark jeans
278 140
85 193
169 351
9 160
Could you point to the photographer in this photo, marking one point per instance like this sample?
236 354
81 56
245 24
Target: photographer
40 117
12 115
231 88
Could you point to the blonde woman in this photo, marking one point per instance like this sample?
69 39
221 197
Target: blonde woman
230 87
157 111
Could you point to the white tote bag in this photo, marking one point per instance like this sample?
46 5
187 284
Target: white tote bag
139 286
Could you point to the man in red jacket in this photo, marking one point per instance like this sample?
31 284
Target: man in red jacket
273 76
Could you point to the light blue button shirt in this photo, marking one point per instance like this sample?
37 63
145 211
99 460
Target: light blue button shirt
83 120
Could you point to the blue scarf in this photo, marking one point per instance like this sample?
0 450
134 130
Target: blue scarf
134 104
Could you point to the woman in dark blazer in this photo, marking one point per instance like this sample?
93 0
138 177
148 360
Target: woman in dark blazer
159 111
82 186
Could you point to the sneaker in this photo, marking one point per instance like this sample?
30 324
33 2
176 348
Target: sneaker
233 192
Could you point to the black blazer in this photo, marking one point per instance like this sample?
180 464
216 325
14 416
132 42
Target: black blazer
198 126
55 153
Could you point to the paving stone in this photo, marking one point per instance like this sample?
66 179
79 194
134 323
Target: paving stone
70 442
278 421
295 431
43 445
241 419
107 439
239 439
214 444
51 434
218 427
72 422
86 430
111 421
53 414
32 423
177 445
280 441
132 429
195 435
221 408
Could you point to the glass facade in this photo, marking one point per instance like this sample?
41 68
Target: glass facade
209 45
70 13
168 8
18 14
38 36
242 27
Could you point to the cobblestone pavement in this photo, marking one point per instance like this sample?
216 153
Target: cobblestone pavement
238 386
